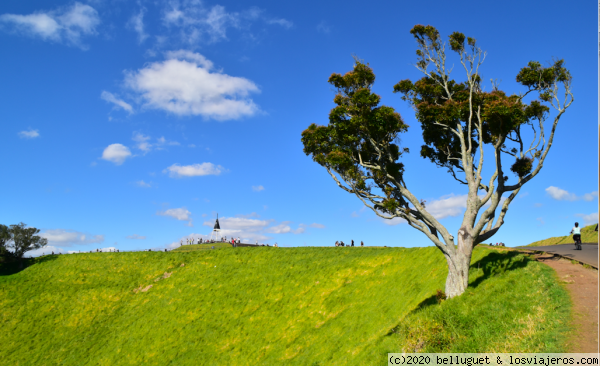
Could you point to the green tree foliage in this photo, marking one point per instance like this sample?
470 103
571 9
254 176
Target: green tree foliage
360 145
22 239
4 238
360 136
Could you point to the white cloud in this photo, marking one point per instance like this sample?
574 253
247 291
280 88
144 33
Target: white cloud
317 226
141 183
282 228
116 153
109 97
66 25
181 214
136 22
450 205
562 195
589 219
541 220
66 238
186 84
393 222
258 188
194 170
135 237
31 134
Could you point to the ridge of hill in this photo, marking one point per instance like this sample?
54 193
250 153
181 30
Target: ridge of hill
588 235
268 306
203 246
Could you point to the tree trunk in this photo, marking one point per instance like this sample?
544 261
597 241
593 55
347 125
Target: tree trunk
458 268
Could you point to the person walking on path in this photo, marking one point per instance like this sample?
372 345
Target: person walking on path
576 231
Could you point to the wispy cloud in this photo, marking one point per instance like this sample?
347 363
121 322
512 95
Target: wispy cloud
65 25
324 28
109 97
136 22
194 170
195 24
141 183
282 22
66 238
30 134
258 188
143 142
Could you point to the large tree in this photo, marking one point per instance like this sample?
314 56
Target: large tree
461 123
23 239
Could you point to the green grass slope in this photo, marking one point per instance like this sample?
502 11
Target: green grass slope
588 235
204 246
272 306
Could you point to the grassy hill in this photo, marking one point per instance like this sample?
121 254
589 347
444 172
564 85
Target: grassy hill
204 246
588 235
273 306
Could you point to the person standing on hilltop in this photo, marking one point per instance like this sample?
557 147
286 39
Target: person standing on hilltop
352 243
362 244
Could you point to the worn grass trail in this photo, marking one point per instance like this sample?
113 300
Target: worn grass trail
299 306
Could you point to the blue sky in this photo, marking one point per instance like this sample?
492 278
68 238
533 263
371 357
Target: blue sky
130 124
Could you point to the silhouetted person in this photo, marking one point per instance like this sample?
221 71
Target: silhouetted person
352 243
362 244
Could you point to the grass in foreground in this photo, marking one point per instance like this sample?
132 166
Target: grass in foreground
299 306
588 235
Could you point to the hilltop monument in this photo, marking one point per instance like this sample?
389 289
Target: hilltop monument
216 230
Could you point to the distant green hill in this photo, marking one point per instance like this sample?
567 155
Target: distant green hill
588 235
272 306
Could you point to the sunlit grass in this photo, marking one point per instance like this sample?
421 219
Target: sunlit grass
264 305
203 246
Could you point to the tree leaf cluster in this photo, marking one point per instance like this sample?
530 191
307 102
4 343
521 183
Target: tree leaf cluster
361 141
18 239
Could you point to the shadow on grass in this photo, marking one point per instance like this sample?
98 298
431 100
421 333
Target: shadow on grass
495 263
9 267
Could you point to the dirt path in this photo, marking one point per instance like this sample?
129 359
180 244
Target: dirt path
582 284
